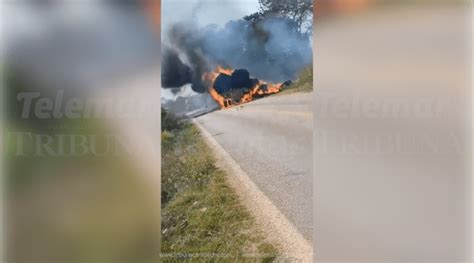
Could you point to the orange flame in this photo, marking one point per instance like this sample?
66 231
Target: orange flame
260 89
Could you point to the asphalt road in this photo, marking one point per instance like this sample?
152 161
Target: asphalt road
271 139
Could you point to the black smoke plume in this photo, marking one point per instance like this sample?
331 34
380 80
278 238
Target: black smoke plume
188 42
273 49
174 73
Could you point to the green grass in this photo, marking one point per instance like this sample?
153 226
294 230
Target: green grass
74 209
304 82
77 208
202 218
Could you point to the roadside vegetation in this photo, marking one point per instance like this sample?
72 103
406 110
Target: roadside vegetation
304 82
202 219
63 207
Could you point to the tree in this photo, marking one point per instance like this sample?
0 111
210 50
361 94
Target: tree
300 11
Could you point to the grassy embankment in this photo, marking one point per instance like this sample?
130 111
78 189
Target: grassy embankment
202 219
62 206
304 82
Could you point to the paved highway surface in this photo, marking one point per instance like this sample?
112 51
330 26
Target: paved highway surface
271 139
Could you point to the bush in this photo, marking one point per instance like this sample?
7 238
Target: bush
169 122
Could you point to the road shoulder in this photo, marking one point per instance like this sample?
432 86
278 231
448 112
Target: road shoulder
277 228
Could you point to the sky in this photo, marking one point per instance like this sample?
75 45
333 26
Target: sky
205 12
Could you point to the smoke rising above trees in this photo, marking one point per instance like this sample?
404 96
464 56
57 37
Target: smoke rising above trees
300 11
271 44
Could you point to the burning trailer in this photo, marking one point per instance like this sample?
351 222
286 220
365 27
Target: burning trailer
230 87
